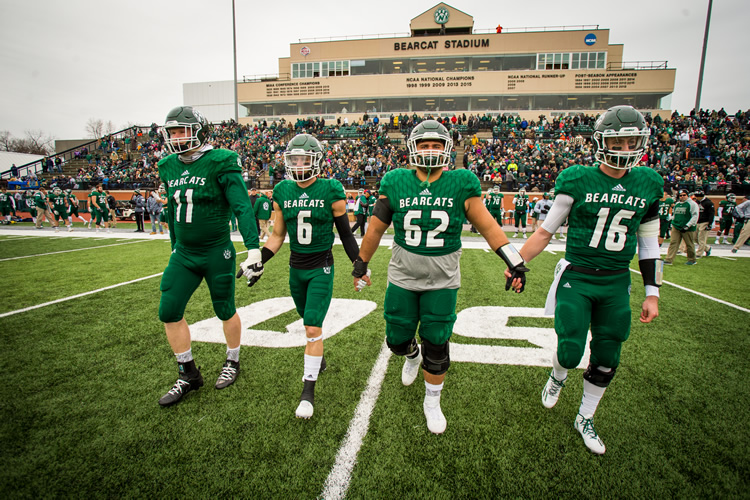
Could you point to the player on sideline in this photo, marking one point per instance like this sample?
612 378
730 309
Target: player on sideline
73 204
608 207
521 209
427 206
307 207
203 184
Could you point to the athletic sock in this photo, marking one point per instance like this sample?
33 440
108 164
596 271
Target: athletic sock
184 357
558 371
312 367
432 389
592 394
233 354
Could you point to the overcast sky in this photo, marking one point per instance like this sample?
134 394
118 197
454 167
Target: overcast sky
64 62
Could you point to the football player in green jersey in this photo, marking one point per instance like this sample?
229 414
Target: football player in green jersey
427 206
28 198
494 202
665 217
307 208
263 210
6 203
610 208
73 204
726 209
60 207
163 216
521 210
203 184
100 212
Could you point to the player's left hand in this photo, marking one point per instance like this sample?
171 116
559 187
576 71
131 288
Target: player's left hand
252 267
361 283
650 309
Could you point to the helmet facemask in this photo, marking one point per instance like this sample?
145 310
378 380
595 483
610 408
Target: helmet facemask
610 145
429 158
302 165
187 142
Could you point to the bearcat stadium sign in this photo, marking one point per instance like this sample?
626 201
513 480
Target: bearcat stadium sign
448 44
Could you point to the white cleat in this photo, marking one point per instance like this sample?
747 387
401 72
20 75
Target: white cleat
585 426
436 422
411 369
304 410
551 391
524 235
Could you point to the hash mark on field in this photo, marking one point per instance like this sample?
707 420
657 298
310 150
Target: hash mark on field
727 258
702 295
18 238
338 479
74 250
64 299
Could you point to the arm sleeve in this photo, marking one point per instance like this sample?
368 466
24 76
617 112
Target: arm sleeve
560 210
239 202
346 236
648 256
694 214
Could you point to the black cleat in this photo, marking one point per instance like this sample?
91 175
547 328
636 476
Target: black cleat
229 374
305 408
180 388
323 365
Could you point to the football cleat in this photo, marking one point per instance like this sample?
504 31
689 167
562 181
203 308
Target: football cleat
305 408
436 422
585 426
229 373
411 368
180 388
551 391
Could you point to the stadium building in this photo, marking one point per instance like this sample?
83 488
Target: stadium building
444 66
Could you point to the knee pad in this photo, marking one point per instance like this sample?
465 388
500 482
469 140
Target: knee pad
435 358
598 377
222 296
403 349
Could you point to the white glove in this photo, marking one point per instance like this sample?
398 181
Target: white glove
56 213
361 284
252 267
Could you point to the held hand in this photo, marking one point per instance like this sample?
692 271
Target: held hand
649 309
361 283
252 267
516 278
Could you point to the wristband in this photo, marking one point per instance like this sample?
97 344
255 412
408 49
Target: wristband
265 255
510 255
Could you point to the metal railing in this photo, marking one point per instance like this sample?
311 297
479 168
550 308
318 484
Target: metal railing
69 154
353 37
637 65
267 77
528 29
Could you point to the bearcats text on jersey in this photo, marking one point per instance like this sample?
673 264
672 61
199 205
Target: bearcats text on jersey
425 202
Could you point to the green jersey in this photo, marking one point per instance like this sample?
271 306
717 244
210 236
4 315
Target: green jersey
262 208
428 220
57 200
371 200
521 204
40 200
606 213
727 208
5 199
101 200
683 212
308 214
494 202
664 206
201 195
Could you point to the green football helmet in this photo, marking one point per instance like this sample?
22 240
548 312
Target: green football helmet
617 127
57 191
302 158
195 126
429 159
496 189
731 197
68 192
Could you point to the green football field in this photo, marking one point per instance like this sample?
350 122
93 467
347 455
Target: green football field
85 359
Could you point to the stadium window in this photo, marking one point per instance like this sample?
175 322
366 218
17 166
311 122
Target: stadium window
575 60
600 60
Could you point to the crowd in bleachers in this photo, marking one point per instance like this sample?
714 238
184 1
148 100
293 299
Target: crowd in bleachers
704 150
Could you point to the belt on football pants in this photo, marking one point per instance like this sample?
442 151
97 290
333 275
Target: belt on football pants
597 272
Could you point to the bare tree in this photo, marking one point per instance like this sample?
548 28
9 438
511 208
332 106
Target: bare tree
109 127
95 128
35 142
6 141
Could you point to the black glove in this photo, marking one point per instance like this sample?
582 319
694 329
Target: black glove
516 265
517 272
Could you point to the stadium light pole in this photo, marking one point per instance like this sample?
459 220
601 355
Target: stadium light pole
234 50
703 58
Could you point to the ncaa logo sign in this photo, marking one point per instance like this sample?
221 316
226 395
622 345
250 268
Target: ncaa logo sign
305 51
590 39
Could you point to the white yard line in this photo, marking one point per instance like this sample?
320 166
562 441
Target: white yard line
67 251
727 258
702 295
338 479
72 297
18 238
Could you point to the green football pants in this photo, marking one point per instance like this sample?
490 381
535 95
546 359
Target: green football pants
311 290
600 301
186 269
433 311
